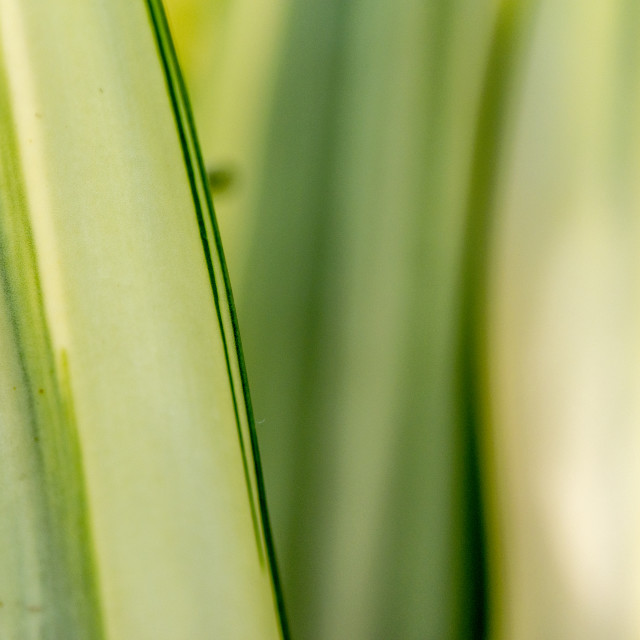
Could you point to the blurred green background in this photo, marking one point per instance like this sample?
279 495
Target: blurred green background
430 214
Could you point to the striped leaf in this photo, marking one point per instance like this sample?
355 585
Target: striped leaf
130 504
381 130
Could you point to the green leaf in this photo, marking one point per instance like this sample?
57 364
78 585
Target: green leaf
130 504
562 342
351 302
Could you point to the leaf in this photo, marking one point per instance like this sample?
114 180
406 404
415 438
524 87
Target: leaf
562 339
351 302
130 503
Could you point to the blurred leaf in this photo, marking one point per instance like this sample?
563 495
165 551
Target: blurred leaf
562 350
350 302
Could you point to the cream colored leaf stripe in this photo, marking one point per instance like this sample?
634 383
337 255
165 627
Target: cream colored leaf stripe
51 498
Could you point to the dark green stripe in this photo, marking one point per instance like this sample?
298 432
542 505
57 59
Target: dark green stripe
491 131
186 131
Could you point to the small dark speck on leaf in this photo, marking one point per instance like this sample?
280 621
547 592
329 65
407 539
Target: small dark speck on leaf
36 438
220 179
41 392
38 115
100 89
34 608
